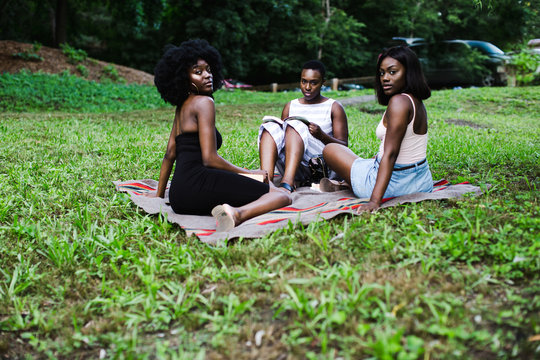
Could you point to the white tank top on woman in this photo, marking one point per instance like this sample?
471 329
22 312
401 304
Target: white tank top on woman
413 146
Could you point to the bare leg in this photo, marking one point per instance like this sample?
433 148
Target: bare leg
228 217
340 159
294 151
268 154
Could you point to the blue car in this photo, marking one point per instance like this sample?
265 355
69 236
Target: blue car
453 63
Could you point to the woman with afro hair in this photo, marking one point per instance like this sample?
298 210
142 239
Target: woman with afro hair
203 182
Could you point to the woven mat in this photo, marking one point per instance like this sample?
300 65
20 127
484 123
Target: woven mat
308 205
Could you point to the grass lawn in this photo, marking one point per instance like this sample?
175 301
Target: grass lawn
85 274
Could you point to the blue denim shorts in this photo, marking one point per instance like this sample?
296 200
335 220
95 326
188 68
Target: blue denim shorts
403 182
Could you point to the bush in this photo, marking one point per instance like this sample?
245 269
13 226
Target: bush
110 72
74 56
30 55
83 70
526 66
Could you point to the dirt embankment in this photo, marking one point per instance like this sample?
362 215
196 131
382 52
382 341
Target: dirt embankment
54 62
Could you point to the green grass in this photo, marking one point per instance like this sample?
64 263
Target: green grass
84 273
38 92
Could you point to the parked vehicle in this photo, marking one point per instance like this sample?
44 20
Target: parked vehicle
350 87
534 45
400 40
462 63
235 84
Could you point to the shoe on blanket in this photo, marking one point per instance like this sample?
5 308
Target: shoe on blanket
327 185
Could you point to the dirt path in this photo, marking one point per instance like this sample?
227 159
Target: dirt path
357 100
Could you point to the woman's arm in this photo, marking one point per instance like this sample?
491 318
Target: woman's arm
397 119
206 116
339 127
168 160
285 111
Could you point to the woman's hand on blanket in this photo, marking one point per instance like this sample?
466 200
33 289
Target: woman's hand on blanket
315 130
370 206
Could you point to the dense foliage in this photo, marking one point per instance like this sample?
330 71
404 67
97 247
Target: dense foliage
85 274
265 41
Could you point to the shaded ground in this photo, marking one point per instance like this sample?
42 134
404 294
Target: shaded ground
357 100
54 62
460 122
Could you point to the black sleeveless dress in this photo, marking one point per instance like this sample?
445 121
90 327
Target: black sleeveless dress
196 189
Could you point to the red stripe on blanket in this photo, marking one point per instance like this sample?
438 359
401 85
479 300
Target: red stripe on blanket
137 185
206 233
271 221
441 182
338 209
292 209
344 207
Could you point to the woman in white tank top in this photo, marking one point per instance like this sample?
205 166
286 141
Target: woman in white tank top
400 166
290 147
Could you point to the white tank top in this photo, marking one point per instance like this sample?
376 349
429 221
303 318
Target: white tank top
413 146
320 114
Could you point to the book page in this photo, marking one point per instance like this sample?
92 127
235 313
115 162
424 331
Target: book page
299 118
270 118
258 177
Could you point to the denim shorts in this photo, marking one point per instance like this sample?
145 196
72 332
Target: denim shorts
403 182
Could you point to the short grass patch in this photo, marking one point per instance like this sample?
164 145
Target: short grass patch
85 274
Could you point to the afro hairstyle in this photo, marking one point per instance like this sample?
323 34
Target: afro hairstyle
171 74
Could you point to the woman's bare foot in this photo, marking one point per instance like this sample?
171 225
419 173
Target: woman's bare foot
226 217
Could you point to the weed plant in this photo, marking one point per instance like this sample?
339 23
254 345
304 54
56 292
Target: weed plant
74 56
83 70
30 54
111 73
85 274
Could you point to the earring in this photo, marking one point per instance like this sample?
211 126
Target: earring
196 88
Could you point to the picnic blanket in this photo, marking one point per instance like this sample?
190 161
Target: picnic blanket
308 205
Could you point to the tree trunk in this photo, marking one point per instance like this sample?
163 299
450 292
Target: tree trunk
60 28
325 4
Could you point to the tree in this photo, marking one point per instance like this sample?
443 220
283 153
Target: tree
263 41
60 23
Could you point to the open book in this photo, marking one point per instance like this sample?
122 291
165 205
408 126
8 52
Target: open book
270 118
257 177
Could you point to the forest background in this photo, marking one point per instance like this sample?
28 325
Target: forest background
264 41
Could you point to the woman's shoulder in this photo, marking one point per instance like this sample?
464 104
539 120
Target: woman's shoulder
402 99
198 102
203 99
